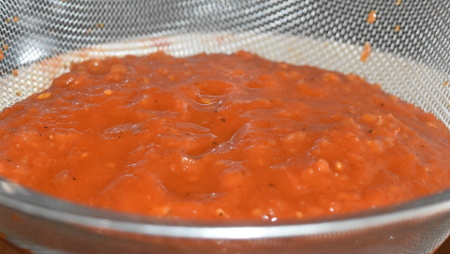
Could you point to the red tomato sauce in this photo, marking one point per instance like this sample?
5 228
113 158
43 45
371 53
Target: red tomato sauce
220 136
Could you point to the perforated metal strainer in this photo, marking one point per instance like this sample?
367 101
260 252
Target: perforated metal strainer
410 57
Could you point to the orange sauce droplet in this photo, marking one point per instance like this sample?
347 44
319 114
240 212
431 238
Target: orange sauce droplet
372 17
367 49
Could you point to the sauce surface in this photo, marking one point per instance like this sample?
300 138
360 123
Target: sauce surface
222 137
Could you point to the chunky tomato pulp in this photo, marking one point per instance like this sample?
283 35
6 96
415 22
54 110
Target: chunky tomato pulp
222 136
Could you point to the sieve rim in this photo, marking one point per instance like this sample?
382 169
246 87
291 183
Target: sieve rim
43 206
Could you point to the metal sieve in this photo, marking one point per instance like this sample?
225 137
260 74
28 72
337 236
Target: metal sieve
410 57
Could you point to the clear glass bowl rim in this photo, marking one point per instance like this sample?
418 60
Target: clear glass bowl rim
40 205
